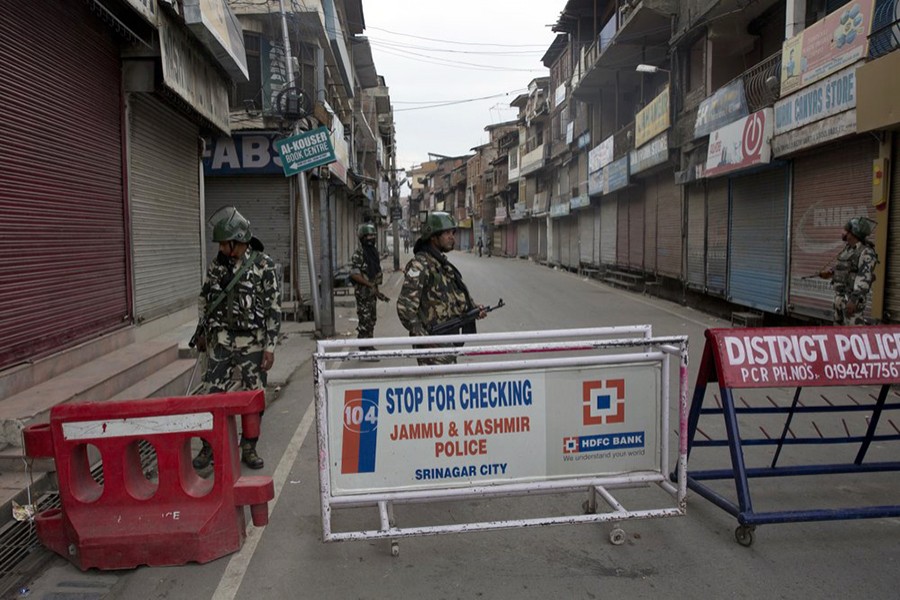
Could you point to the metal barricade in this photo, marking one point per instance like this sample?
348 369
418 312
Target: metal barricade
757 359
581 411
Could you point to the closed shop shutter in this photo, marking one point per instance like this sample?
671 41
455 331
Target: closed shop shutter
512 240
636 225
892 260
534 237
758 240
622 229
64 277
164 187
696 235
542 237
716 235
574 242
562 226
650 223
498 239
830 186
608 225
668 228
586 239
595 254
265 202
523 231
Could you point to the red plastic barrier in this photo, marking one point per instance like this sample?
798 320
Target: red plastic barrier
129 520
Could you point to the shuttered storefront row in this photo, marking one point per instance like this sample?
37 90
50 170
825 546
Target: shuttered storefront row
608 228
265 202
758 240
586 239
164 186
651 206
696 235
716 235
668 228
622 228
64 277
830 186
892 260
636 219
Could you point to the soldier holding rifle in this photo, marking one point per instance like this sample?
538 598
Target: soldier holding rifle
433 290
854 273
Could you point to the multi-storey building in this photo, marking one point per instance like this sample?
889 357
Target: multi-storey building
334 85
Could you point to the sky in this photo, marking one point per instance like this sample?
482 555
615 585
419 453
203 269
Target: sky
418 48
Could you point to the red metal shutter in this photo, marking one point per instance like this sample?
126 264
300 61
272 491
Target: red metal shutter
831 185
64 273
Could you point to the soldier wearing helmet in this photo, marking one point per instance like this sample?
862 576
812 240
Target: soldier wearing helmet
240 313
365 273
433 290
854 272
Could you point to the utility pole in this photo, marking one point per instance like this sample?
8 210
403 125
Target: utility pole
395 207
301 184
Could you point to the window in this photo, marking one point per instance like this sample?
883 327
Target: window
696 75
243 93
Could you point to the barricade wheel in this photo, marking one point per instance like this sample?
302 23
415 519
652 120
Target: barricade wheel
744 535
617 536
395 548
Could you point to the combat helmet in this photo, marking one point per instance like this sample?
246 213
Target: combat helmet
365 229
860 227
435 223
228 224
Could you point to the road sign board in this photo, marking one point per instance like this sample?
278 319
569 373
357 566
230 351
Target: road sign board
304 151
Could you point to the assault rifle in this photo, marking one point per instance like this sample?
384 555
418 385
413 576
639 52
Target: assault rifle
464 322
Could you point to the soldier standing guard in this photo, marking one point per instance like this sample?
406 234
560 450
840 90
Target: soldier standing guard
854 273
365 272
240 317
433 290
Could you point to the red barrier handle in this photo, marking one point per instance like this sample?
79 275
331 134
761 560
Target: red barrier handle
38 441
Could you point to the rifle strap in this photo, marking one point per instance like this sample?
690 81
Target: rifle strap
254 255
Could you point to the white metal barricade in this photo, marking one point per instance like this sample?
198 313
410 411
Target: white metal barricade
523 413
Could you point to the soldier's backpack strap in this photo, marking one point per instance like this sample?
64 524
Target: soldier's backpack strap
254 255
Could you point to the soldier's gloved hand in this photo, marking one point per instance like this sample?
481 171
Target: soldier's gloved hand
201 343
481 312
268 360
826 274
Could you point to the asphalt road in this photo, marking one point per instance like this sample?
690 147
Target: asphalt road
684 557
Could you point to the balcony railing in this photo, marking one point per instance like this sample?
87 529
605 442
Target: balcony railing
885 36
608 33
622 141
762 83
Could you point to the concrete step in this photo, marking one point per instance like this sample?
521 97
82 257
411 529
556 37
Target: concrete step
171 380
19 378
99 379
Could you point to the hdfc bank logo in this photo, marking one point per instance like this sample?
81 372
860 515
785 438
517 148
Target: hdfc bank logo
570 445
603 402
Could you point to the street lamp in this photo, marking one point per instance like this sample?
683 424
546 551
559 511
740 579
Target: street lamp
650 69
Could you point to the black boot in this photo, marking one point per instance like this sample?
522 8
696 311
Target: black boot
204 457
249 455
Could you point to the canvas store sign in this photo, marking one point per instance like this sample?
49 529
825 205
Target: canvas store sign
828 97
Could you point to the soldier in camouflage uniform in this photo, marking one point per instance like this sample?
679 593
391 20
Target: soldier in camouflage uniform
854 273
365 273
433 290
240 331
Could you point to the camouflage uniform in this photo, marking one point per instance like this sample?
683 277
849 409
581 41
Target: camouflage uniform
244 325
430 296
852 280
366 299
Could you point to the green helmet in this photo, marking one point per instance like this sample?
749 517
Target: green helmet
228 224
860 227
366 229
435 223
